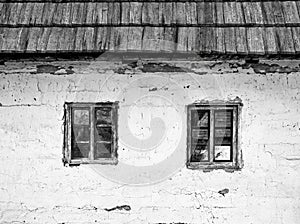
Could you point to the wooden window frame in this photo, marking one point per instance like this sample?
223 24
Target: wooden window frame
68 121
236 162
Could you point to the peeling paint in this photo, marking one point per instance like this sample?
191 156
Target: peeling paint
122 207
160 67
153 89
224 191
264 68
55 70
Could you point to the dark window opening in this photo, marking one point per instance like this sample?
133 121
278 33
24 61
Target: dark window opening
213 136
90 133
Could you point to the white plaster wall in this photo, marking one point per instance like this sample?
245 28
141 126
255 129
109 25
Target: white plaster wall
35 187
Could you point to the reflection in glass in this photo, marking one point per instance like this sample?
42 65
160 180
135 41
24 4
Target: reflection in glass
103 150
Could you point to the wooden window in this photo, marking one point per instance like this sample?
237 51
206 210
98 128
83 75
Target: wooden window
213 136
90 133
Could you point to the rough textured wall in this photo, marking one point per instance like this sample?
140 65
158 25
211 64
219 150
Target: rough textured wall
35 187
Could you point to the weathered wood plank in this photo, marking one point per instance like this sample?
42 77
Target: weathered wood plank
26 17
298 6
201 12
270 41
165 13
13 14
230 13
114 13
278 13
84 13
135 14
88 39
124 38
200 39
182 39
43 39
79 39
253 13
53 43
180 13
210 13
11 39
48 14
296 37
151 38
2 5
209 39
220 40
67 13
2 29
290 12
240 13
125 12
192 39
230 40
135 38
255 40
115 39
58 13
191 12
169 39
268 15
241 40
23 41
150 13
78 16
154 16
37 13
5 13
285 39
33 38
219 13
101 12
66 40
257 9
102 38
90 18
5 36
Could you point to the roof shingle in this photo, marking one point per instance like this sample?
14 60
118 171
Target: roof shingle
230 27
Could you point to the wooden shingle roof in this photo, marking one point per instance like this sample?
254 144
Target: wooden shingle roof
201 26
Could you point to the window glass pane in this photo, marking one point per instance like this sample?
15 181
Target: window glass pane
200 118
103 116
80 133
199 153
223 118
200 135
222 153
103 134
81 116
102 150
80 150
223 135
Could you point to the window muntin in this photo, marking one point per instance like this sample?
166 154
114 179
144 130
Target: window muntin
213 136
90 133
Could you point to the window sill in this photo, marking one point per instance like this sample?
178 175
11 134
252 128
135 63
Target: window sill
108 161
207 167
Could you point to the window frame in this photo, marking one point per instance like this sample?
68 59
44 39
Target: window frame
236 162
68 122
